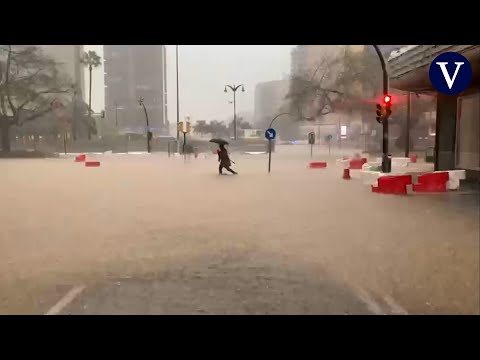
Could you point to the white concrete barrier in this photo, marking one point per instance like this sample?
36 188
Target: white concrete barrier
397 161
370 177
369 165
454 177
345 164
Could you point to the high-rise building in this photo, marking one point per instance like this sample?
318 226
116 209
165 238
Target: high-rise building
270 99
132 72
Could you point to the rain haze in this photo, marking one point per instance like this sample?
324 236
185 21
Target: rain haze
294 183
205 69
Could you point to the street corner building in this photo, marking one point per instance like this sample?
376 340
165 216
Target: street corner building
457 135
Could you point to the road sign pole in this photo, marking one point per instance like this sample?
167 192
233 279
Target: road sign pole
269 155
311 150
184 141
270 135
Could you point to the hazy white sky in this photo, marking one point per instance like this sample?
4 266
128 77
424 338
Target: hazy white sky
203 72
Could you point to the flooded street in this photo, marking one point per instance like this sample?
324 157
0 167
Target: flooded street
178 238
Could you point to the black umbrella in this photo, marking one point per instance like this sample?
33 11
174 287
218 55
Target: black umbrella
219 141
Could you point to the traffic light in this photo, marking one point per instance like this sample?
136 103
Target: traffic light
379 113
384 110
185 127
387 100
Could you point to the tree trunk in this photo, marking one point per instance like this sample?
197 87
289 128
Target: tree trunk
90 105
5 135
74 116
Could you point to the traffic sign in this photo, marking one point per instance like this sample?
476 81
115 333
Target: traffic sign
270 134
311 138
184 127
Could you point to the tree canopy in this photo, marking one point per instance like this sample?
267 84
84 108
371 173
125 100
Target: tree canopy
29 83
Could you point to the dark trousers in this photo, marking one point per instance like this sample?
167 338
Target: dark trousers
221 167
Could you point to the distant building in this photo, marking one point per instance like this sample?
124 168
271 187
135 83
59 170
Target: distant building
457 144
386 50
270 99
131 72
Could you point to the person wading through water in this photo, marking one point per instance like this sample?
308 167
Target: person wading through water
224 160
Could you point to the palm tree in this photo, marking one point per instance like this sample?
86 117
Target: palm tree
91 60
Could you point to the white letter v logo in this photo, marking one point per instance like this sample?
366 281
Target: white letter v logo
446 75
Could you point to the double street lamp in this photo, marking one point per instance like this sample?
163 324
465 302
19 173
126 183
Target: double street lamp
149 133
234 89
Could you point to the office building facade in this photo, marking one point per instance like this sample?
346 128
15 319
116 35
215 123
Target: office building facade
133 72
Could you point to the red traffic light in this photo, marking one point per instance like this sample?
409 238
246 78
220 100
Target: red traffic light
387 99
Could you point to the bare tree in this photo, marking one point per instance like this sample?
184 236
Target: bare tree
29 82
315 95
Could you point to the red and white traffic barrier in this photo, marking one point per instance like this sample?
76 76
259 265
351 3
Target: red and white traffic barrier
397 161
432 182
396 184
454 177
80 158
317 165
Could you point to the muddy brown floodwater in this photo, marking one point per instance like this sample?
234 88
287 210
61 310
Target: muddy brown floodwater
159 218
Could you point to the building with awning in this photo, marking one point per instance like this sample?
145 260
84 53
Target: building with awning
457 140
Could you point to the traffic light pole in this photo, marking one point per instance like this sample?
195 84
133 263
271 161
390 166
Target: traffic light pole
386 161
407 125
149 134
178 101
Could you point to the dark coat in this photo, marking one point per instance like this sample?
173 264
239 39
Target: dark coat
224 158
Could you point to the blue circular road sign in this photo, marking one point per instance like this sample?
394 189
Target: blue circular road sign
450 73
270 134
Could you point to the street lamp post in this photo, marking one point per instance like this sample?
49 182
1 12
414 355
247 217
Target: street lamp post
116 113
234 89
149 134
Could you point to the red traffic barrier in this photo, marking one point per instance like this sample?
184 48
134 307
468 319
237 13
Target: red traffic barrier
317 165
432 182
393 184
346 174
356 164
80 158
92 163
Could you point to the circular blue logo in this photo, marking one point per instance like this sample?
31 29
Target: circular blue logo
450 73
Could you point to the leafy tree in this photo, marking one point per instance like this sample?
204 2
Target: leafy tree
91 60
218 129
314 95
29 82
241 124
201 127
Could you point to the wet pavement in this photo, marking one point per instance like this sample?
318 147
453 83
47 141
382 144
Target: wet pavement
181 239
